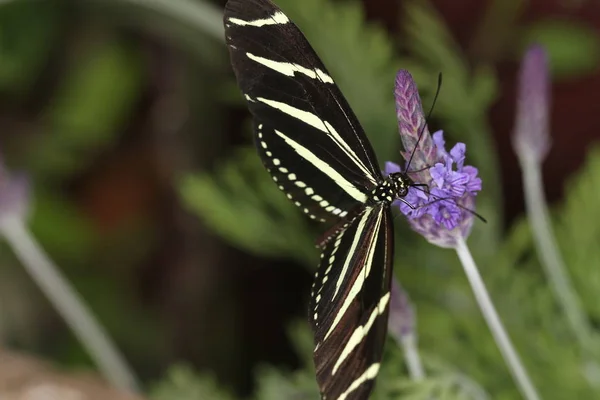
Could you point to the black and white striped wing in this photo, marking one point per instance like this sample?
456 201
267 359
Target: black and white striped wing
306 134
349 305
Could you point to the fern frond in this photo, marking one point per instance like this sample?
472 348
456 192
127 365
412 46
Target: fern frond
241 203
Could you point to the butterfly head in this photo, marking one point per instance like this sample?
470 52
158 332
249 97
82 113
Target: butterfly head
394 186
400 183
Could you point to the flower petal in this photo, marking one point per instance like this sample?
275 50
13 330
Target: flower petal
440 144
438 174
391 168
474 183
458 154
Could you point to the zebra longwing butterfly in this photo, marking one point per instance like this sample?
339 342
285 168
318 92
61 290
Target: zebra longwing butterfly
313 146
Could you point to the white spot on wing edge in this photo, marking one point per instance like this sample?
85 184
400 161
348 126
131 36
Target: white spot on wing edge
278 18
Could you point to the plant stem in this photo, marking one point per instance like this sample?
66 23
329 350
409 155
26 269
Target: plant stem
412 358
554 267
200 14
494 323
68 303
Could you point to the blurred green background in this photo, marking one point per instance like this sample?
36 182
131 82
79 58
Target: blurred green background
147 193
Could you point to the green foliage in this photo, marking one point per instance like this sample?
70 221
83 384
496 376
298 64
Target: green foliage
28 31
75 239
573 48
182 383
578 233
90 108
442 381
241 203
515 280
275 384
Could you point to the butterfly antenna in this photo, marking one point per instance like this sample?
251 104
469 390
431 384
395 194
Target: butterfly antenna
449 199
437 93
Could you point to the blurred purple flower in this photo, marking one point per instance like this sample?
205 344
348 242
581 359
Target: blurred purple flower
439 221
14 194
531 135
402 316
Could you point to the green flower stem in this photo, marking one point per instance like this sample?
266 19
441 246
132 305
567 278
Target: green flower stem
494 323
412 358
68 303
552 262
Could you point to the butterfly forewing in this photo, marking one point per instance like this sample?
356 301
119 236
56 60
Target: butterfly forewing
305 131
349 305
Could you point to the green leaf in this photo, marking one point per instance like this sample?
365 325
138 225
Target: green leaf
573 47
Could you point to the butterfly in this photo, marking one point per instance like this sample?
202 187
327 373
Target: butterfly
317 153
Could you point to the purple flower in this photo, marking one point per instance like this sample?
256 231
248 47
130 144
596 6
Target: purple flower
14 194
440 211
401 321
411 121
531 136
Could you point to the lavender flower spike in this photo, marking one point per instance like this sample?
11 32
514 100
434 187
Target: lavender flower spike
441 222
411 121
531 134
439 213
531 142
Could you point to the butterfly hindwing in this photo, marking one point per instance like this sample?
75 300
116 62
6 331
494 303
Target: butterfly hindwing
301 116
349 305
